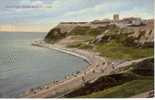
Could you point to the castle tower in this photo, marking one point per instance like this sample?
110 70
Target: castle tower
116 17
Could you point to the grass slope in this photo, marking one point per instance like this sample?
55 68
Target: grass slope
135 79
116 50
126 90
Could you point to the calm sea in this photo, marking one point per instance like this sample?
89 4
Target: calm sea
23 66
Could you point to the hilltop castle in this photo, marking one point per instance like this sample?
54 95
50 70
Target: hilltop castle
131 21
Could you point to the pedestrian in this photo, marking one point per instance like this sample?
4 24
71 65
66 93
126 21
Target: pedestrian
113 66
83 79
94 71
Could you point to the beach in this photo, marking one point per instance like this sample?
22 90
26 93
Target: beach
98 66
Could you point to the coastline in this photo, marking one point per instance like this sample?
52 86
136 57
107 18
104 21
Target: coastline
98 66
94 70
63 50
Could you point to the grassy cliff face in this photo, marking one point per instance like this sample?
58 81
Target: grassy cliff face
85 30
126 90
116 50
54 35
110 41
134 79
115 43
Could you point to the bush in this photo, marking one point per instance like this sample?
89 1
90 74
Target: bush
102 83
79 30
116 50
80 46
54 35
145 68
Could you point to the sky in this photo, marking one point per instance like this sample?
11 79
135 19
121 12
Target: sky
42 15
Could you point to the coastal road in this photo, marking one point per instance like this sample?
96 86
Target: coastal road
98 67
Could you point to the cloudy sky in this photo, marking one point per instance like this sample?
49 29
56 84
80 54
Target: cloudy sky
42 15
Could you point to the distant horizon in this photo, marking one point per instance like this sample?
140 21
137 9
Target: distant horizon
25 31
42 15
66 21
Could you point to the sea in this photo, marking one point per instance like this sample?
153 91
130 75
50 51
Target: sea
23 66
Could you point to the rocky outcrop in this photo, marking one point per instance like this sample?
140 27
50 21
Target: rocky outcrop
59 32
130 36
144 38
54 35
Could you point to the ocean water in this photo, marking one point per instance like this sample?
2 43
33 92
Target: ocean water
23 66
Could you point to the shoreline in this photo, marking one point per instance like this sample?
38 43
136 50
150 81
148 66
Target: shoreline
98 66
63 50
93 71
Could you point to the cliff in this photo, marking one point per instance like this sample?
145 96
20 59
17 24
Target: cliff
135 35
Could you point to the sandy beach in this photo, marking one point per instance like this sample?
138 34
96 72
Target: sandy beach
98 66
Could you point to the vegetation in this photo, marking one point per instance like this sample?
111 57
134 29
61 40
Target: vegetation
80 46
144 68
126 90
54 35
137 78
103 83
84 30
115 43
116 50
79 30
